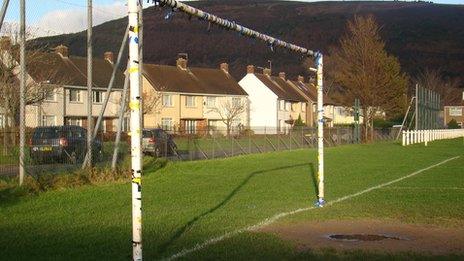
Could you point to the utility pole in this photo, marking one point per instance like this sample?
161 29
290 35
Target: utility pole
357 133
417 107
3 12
89 83
22 90
135 128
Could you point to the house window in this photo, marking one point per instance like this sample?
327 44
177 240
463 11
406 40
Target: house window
2 121
98 96
287 106
190 101
167 100
293 106
212 124
75 96
74 121
303 107
49 95
126 124
236 102
282 105
210 102
48 120
190 126
236 122
166 124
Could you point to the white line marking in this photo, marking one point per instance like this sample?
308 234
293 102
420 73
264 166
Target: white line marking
423 188
273 219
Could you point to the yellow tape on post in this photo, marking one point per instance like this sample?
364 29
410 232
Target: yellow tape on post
134 105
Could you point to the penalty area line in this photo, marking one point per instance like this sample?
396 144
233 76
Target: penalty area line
276 217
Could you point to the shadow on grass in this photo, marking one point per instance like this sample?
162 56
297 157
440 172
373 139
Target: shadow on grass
314 179
189 224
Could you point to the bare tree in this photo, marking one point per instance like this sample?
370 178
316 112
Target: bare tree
364 70
41 66
152 102
229 110
434 80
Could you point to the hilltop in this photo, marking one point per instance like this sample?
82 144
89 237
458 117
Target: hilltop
422 35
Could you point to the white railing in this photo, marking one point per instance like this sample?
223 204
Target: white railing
425 136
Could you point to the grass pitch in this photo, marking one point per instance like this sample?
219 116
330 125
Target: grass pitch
186 203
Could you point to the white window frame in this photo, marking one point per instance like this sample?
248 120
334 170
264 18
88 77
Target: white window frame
210 101
190 126
2 121
288 106
281 105
193 103
48 92
236 101
94 97
166 124
303 107
45 120
167 100
74 121
79 96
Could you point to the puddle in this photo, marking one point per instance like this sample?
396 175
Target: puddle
362 237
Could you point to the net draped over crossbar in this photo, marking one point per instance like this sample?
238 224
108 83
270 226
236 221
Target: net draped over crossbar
231 25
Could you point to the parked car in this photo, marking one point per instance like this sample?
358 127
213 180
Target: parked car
66 144
157 142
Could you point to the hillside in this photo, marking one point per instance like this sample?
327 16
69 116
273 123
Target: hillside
422 35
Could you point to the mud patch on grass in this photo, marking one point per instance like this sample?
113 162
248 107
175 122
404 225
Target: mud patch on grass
371 235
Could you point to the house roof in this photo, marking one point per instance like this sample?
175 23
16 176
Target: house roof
71 71
192 80
310 91
281 88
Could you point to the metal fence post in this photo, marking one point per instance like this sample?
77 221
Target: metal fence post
22 91
89 83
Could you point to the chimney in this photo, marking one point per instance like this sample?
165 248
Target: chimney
251 69
62 50
300 78
5 42
224 67
267 71
182 60
109 56
282 75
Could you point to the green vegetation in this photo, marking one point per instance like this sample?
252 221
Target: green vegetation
453 124
186 203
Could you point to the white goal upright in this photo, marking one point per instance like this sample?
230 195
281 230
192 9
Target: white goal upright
136 109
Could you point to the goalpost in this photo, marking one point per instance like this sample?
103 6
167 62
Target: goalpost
136 109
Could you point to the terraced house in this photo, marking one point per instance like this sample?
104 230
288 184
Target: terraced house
191 100
57 89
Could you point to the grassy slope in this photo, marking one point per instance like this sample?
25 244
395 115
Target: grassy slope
186 203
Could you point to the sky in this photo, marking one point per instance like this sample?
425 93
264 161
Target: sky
50 17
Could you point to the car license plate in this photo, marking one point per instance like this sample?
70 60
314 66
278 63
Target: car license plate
46 148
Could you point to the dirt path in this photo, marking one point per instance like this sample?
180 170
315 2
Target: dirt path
403 237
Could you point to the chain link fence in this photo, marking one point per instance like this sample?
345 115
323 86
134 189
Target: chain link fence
58 149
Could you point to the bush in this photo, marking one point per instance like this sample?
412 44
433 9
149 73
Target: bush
384 124
453 124
247 132
299 123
